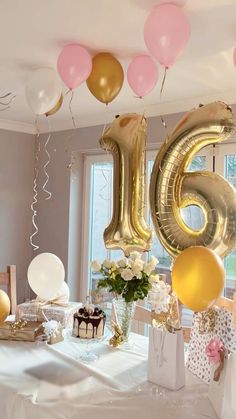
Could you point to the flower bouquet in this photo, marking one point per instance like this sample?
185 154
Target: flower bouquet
129 280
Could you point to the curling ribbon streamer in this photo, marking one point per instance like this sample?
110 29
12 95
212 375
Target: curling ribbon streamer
161 91
49 194
70 165
6 104
35 200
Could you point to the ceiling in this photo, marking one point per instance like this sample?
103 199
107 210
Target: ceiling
32 34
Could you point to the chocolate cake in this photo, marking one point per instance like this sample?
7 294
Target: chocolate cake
89 322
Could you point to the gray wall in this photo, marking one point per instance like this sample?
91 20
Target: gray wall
16 181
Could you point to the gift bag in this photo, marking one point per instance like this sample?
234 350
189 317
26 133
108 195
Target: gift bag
217 389
206 325
166 358
229 400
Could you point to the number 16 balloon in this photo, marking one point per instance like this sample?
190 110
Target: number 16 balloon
172 187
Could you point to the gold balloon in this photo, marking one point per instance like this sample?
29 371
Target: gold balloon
106 78
125 139
173 188
198 277
4 306
56 107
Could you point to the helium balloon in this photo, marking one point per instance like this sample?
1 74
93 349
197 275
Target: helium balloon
74 65
166 33
106 78
142 75
173 187
125 139
198 277
56 107
43 90
5 306
46 275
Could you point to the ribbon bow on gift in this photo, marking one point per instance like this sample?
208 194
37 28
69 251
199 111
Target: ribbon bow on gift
18 325
216 353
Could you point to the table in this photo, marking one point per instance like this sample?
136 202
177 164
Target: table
114 387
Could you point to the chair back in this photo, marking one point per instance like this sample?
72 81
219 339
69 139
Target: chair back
8 279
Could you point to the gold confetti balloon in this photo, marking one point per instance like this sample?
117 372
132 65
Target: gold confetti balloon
4 306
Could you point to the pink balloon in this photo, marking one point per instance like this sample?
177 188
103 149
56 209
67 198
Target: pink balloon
142 75
166 33
74 65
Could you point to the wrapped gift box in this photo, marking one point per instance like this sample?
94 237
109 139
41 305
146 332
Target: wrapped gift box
206 325
54 331
21 330
36 311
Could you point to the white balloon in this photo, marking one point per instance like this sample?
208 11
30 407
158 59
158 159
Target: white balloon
43 90
46 275
63 294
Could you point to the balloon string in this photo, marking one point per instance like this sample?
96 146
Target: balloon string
161 92
49 194
70 108
35 189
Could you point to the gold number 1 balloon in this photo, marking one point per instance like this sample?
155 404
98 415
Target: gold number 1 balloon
125 139
173 188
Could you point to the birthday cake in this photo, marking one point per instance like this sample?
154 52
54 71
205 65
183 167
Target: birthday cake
89 322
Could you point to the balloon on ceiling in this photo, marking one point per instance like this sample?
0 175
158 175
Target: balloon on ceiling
74 65
106 78
142 75
166 33
43 90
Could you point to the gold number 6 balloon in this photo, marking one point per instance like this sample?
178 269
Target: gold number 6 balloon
173 188
125 139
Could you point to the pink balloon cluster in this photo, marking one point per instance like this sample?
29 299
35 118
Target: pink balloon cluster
166 34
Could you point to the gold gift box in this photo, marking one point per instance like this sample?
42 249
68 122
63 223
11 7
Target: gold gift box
21 330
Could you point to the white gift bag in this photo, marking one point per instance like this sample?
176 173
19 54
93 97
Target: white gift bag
229 400
217 389
166 358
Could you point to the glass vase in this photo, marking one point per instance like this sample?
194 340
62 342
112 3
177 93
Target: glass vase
124 313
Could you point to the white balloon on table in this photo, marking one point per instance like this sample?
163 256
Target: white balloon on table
46 276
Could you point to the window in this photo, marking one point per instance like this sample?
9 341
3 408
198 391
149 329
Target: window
98 198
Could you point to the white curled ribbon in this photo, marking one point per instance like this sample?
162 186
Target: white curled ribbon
35 200
49 194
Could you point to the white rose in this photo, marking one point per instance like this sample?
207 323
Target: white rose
107 264
135 255
122 263
147 268
137 272
127 274
95 266
153 278
153 262
138 264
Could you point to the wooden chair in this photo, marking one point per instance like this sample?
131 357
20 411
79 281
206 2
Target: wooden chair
8 279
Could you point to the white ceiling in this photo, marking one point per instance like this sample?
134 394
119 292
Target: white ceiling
33 32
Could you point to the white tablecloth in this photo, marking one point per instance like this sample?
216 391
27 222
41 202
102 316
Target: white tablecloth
115 386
